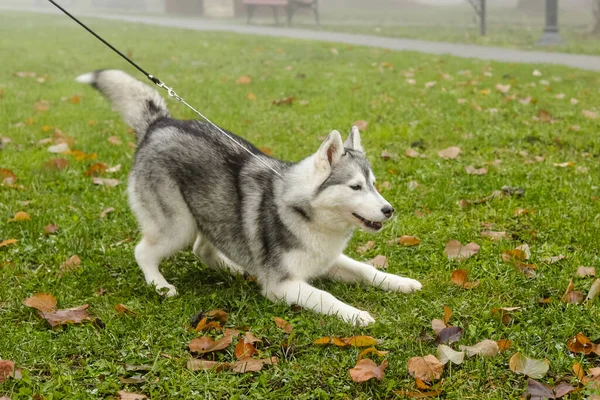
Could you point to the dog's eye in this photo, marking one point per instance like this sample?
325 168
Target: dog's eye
355 187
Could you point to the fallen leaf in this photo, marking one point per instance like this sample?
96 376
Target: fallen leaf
512 256
243 80
405 240
538 390
385 155
455 250
115 140
426 368
495 236
485 348
8 242
134 380
366 369
536 369
412 185
8 177
42 105
504 313
362 125
25 74
590 114
204 344
438 325
449 153
21 216
449 335
283 324
41 302
572 296
418 395
106 181
123 395
536 73
250 338
75 315
218 315
71 264
244 350
379 261
51 228
106 211
123 309
430 84
503 344
286 100
354 341
251 96
580 344
59 148
446 354
116 168
502 88
206 365
593 293
7 370
447 314
460 278
57 164
252 365
412 153
365 247
471 170
96 169
372 350
564 164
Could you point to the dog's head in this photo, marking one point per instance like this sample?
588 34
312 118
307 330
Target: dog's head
346 184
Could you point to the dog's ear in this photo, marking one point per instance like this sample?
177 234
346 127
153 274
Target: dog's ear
330 151
353 141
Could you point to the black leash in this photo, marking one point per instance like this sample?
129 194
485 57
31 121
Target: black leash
161 84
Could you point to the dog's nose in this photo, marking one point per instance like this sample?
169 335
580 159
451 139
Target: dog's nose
387 211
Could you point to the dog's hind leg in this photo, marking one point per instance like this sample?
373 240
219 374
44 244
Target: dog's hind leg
349 270
211 257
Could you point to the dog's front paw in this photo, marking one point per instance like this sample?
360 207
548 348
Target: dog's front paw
397 283
358 318
166 290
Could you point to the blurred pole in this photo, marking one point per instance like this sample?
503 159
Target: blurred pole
551 36
482 17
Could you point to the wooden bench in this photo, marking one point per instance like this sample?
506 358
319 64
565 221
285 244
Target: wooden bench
290 7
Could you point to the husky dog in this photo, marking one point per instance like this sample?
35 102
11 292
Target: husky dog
190 182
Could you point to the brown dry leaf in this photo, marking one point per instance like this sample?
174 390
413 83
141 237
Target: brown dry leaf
455 250
495 236
71 264
580 344
485 348
106 181
586 271
365 247
123 309
206 365
503 313
106 211
243 80
8 177
412 153
527 366
366 369
544 116
25 74
385 155
115 140
449 153
51 228
286 100
379 262
450 334
204 344
438 325
447 314
592 294
75 99
20 216
57 164
471 170
96 169
251 96
123 395
538 390
41 302
460 278
8 242
418 395
572 296
361 125
426 368
75 315
80 155
219 315
504 344
372 350
42 105
405 240
252 365
250 338
590 114
7 370
283 324
579 372
513 256
554 259
244 350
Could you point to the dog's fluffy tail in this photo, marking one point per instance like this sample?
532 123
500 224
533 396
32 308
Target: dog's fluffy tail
139 104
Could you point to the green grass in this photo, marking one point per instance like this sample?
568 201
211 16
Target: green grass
86 361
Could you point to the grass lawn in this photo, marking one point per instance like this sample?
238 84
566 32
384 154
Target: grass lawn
333 89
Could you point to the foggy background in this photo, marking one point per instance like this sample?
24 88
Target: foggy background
519 21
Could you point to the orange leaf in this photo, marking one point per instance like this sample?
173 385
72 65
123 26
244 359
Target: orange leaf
201 325
503 344
244 350
52 228
21 216
512 256
96 169
8 242
7 370
372 350
8 177
243 80
580 344
122 309
75 100
447 314
57 163
360 341
74 315
366 369
42 105
323 340
41 302
219 315
252 365
251 96
460 278
572 296
578 369
286 100
409 240
205 344
283 324
426 368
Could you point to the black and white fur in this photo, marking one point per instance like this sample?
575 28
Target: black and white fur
190 183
